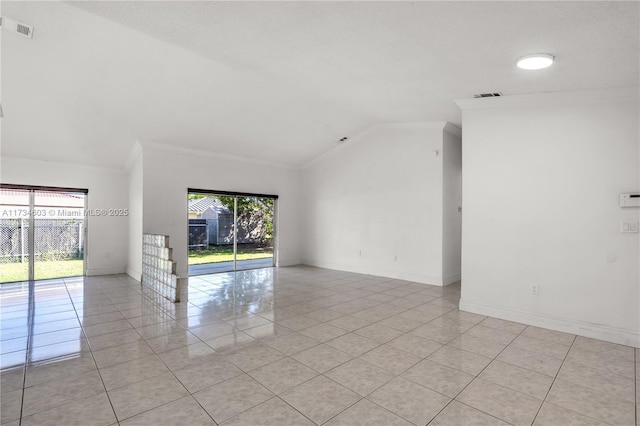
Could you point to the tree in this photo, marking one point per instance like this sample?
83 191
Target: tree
255 216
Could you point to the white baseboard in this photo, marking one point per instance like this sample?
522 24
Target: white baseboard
134 273
452 279
92 272
288 262
378 272
581 328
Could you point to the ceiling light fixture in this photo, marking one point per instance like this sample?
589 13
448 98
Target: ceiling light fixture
537 61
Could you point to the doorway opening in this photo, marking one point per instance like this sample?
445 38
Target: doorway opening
43 232
230 231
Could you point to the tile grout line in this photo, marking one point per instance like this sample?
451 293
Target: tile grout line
319 374
162 361
354 358
318 288
475 377
275 395
397 376
360 396
134 329
30 320
339 365
29 347
191 393
91 352
154 352
554 379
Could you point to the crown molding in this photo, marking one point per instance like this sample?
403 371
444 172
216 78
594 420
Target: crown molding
191 152
453 129
577 96
44 163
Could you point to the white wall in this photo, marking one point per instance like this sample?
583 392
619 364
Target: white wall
168 172
542 175
136 208
107 245
452 199
375 198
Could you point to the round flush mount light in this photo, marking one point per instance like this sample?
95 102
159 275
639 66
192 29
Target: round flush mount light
537 61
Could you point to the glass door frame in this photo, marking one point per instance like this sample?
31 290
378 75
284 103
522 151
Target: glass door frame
31 189
235 196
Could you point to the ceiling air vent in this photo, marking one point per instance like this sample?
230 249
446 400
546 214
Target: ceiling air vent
488 95
25 30
14 26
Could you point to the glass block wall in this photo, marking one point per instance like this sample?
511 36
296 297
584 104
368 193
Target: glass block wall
158 270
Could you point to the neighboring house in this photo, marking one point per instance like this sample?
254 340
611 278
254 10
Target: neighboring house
207 208
50 205
210 222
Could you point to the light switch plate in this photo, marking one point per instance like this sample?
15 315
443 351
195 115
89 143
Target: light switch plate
629 227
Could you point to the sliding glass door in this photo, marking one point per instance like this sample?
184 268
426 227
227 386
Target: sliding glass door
15 244
230 232
42 233
58 234
254 237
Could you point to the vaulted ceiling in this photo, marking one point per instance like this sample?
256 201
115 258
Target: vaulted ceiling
283 81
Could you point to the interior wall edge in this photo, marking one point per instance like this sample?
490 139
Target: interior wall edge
453 129
133 273
134 153
450 279
358 138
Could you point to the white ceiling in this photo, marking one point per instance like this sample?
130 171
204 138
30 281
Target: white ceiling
283 81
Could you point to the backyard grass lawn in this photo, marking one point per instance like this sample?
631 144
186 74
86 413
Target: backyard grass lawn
225 254
10 272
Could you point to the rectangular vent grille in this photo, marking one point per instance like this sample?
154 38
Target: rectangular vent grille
488 95
14 26
24 30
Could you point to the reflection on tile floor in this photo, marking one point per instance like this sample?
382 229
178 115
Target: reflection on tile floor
294 346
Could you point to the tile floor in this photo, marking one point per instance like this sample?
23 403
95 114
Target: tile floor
294 346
